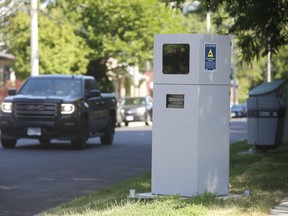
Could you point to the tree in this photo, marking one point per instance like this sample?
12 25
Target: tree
280 64
124 29
60 49
120 29
260 25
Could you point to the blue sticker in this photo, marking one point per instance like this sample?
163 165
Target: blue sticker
210 57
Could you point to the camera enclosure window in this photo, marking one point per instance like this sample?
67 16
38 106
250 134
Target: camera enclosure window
176 58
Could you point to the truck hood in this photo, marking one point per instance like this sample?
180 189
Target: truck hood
51 98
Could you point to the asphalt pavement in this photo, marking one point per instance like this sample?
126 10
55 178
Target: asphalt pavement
35 177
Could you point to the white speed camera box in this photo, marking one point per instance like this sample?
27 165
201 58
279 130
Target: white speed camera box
190 141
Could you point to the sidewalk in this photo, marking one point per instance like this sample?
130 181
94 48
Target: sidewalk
281 209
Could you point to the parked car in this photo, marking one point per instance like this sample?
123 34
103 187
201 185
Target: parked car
238 110
133 109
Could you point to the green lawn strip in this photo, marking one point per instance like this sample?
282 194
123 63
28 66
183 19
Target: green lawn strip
263 174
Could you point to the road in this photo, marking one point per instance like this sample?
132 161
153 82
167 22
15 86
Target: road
34 178
238 129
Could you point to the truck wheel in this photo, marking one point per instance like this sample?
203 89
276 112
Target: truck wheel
8 143
82 135
107 138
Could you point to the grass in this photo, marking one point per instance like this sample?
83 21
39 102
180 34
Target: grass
264 175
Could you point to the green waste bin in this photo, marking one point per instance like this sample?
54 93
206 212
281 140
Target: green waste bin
266 114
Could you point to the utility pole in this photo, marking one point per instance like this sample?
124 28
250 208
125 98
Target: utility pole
234 69
208 16
34 39
208 21
268 76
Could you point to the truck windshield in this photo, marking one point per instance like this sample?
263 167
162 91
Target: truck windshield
49 86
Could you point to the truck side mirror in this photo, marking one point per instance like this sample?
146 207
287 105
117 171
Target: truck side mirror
11 91
94 93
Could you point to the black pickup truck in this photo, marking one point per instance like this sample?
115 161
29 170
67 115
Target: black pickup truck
63 107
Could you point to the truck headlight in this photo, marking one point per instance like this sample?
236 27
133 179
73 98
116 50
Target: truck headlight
6 107
67 108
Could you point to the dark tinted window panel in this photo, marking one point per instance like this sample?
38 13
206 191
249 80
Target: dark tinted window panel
175 101
176 58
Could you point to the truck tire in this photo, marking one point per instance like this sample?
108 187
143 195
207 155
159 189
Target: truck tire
82 135
108 137
8 143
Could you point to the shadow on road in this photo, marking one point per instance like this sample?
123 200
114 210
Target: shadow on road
54 146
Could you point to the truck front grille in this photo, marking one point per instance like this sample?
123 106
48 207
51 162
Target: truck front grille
35 110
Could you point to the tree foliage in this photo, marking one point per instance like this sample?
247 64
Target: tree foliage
120 29
75 35
79 36
260 25
124 29
60 49
280 64
17 40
